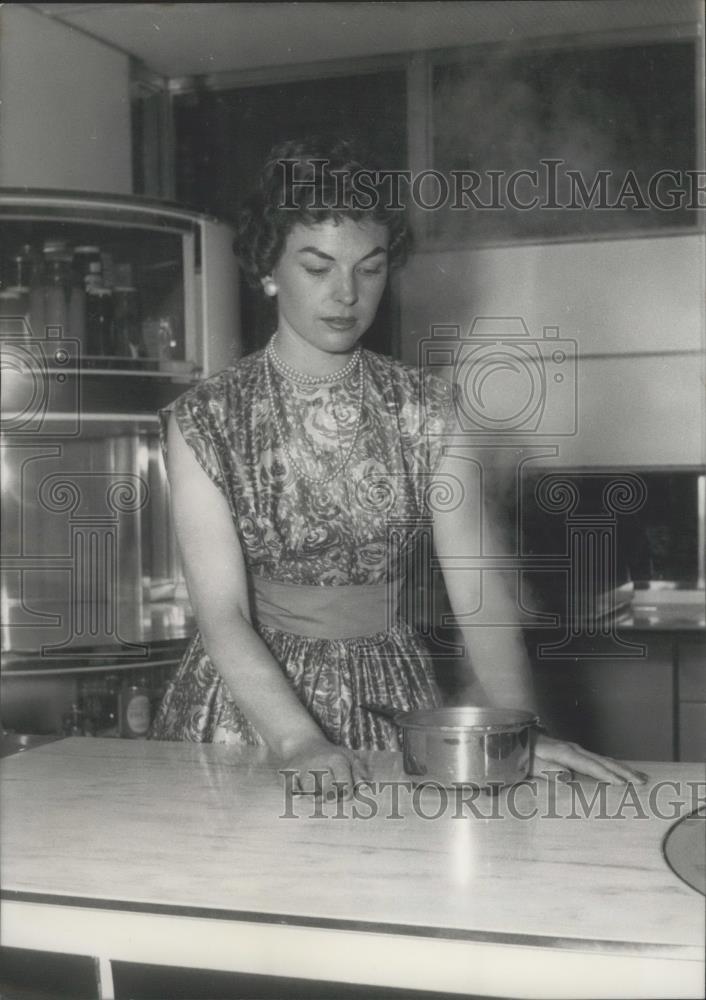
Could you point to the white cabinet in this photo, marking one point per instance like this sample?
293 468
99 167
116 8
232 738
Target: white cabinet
692 731
623 708
691 658
643 295
640 411
650 708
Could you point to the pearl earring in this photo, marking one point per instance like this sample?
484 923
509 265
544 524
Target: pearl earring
269 286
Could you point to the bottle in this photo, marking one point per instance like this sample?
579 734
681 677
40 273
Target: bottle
108 269
35 311
87 260
88 265
99 316
14 294
166 341
20 269
135 710
98 701
73 722
57 288
128 333
112 705
77 298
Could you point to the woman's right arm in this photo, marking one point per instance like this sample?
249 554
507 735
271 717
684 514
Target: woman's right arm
214 569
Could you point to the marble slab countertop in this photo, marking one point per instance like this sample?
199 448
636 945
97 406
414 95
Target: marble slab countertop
195 855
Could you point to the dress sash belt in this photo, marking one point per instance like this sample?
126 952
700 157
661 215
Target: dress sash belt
344 612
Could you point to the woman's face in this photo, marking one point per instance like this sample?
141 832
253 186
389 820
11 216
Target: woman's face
329 281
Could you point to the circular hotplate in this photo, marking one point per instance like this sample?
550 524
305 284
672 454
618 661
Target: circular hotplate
684 849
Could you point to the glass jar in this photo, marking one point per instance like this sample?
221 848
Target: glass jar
135 710
57 291
20 267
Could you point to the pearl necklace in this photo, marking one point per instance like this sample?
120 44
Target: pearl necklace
303 377
318 480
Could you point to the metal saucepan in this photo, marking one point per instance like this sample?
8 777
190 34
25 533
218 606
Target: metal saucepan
470 745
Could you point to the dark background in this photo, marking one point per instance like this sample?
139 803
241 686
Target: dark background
223 138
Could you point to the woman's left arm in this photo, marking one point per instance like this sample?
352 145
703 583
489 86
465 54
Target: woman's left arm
495 650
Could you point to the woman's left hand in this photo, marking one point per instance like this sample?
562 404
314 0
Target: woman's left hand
558 755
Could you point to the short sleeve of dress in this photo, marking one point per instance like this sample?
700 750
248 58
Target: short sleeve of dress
438 414
198 424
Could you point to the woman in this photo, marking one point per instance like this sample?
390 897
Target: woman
287 471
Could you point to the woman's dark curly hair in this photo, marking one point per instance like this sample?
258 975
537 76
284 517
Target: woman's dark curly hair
281 201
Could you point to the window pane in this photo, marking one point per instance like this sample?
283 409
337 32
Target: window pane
628 111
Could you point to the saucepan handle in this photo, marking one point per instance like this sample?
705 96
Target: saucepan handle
386 711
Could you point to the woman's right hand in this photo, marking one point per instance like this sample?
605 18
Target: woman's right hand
324 769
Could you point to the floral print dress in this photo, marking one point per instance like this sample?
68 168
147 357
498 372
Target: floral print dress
333 535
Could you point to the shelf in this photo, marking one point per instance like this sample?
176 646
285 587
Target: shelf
166 629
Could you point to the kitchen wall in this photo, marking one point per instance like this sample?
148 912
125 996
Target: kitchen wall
634 307
65 107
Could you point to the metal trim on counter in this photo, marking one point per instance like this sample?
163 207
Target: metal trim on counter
12 743
529 940
92 668
391 960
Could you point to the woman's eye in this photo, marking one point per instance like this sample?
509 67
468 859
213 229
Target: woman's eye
316 270
371 270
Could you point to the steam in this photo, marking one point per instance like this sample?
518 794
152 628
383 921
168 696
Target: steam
506 113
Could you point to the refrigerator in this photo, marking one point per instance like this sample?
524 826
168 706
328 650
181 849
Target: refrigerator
110 308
